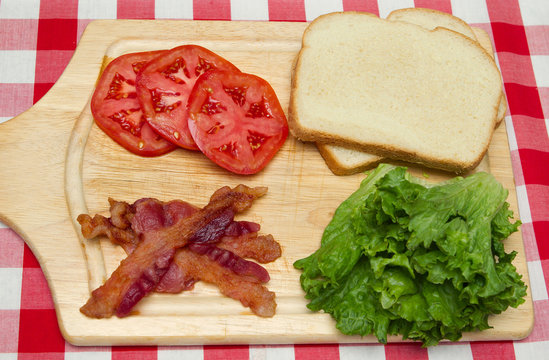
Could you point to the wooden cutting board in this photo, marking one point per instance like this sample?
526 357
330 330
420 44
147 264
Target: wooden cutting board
57 164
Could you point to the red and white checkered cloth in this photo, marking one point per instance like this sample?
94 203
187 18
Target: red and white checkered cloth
37 39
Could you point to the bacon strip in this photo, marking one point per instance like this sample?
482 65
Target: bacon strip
240 237
251 294
189 266
143 269
117 227
121 214
152 214
176 279
262 248
127 221
247 269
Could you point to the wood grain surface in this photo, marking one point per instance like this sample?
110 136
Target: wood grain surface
56 164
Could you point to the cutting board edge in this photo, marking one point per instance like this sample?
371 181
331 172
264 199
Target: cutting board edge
175 339
299 335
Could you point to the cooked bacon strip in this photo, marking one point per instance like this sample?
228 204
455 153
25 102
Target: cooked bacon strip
121 214
152 214
143 269
238 228
100 225
127 221
262 248
241 237
247 269
251 294
176 280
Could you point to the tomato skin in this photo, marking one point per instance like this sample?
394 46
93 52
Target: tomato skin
164 86
236 120
116 110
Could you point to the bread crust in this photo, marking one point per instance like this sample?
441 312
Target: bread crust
338 168
393 152
394 15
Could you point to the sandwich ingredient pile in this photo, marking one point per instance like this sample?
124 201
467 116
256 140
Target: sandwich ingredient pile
403 88
421 260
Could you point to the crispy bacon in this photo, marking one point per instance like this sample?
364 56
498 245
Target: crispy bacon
262 248
121 214
247 269
240 238
251 294
176 279
239 228
152 214
188 266
145 214
100 225
127 221
143 269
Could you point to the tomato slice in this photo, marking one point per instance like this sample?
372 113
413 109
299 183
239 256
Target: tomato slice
236 120
117 112
164 86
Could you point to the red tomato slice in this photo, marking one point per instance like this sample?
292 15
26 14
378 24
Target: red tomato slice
116 110
236 120
164 85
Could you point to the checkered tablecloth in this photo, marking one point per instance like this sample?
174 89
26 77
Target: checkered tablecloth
37 39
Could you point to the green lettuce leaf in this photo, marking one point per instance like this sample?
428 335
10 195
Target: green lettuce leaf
425 261
340 245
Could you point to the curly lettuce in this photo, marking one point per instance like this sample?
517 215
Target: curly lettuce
401 256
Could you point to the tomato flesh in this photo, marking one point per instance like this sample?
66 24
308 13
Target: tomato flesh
236 120
116 110
164 86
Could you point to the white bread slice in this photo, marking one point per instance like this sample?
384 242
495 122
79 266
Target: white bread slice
484 40
431 19
343 161
390 98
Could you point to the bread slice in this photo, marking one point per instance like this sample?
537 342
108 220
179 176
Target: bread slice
484 40
431 19
395 89
344 161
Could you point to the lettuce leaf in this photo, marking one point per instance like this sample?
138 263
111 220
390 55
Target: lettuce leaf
401 256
